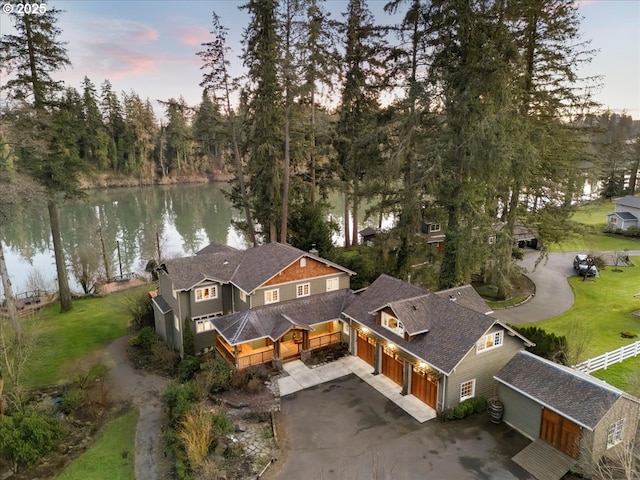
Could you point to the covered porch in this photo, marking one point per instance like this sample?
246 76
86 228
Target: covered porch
291 346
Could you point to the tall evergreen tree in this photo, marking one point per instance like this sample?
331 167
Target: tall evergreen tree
113 117
31 56
216 81
264 136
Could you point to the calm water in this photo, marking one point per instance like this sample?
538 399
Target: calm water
184 218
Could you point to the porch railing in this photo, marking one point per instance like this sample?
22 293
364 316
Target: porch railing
255 359
324 340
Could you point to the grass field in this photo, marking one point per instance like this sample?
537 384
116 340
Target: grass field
624 375
112 455
602 309
596 241
61 338
594 213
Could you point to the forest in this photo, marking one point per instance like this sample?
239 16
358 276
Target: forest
469 114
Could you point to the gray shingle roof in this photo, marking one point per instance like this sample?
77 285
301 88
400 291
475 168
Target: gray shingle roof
629 201
161 303
573 394
275 320
453 329
466 296
625 215
247 269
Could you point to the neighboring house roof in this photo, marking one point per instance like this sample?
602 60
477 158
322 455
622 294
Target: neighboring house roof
466 296
162 304
273 321
452 330
580 397
520 230
216 247
629 201
246 269
624 215
368 231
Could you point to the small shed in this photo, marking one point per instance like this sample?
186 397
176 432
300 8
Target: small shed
580 416
621 220
368 234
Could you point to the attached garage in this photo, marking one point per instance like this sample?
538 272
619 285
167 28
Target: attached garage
366 348
391 367
424 388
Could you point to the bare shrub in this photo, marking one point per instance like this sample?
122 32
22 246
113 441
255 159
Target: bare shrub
164 357
254 385
208 469
140 309
84 370
196 435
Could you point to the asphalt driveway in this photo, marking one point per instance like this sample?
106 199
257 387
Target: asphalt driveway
346 430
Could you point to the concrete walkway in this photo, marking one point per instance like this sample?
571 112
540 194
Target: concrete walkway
302 377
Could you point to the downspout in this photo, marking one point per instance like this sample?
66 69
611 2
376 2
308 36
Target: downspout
181 335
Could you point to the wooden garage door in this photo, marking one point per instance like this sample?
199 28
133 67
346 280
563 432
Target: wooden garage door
366 349
392 368
424 389
560 432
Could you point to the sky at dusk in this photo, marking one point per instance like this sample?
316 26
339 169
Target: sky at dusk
150 46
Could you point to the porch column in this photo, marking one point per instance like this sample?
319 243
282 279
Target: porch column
406 377
353 340
377 355
236 356
305 350
277 359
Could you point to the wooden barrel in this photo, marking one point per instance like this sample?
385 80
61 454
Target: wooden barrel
496 410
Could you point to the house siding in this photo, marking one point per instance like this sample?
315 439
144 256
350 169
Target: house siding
481 366
520 412
596 442
295 272
288 290
206 307
165 287
204 340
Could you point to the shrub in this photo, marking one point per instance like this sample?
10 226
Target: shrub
164 357
196 434
221 373
466 408
145 340
221 423
187 338
187 368
180 399
547 345
250 379
138 305
26 437
71 400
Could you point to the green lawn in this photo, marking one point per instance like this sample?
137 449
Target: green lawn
63 337
624 375
603 309
112 455
594 213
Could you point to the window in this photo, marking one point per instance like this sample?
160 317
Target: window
303 262
435 227
614 220
333 284
243 296
303 290
492 239
203 325
176 323
467 390
490 341
272 296
392 324
206 293
614 434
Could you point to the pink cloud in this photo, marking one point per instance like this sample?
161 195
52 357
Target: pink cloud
145 33
192 35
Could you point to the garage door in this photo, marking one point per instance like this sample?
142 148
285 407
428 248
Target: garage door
560 432
392 368
366 348
424 389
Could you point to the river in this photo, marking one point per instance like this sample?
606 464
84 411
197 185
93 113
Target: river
180 219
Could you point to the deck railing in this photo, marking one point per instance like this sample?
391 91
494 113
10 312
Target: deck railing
324 340
255 359
609 358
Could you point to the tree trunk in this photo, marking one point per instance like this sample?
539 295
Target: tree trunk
285 179
354 214
64 292
347 230
11 303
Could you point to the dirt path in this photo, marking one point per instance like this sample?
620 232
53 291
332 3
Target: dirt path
144 391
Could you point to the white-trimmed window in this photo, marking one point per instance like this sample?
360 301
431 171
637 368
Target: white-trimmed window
614 220
614 434
467 390
243 296
303 262
392 324
272 296
490 341
333 284
204 323
435 227
303 290
206 293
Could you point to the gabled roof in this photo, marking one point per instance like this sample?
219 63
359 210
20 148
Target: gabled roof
629 201
453 329
273 321
466 296
246 269
162 304
624 215
579 397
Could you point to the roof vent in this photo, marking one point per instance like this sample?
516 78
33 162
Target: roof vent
226 262
414 307
452 298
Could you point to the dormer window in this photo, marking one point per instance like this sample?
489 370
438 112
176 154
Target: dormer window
393 324
206 293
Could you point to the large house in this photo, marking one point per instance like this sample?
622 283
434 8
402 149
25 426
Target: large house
262 305
442 347
625 215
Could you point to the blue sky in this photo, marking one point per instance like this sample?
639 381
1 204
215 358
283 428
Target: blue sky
150 46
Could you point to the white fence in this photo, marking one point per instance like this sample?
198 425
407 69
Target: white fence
609 358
